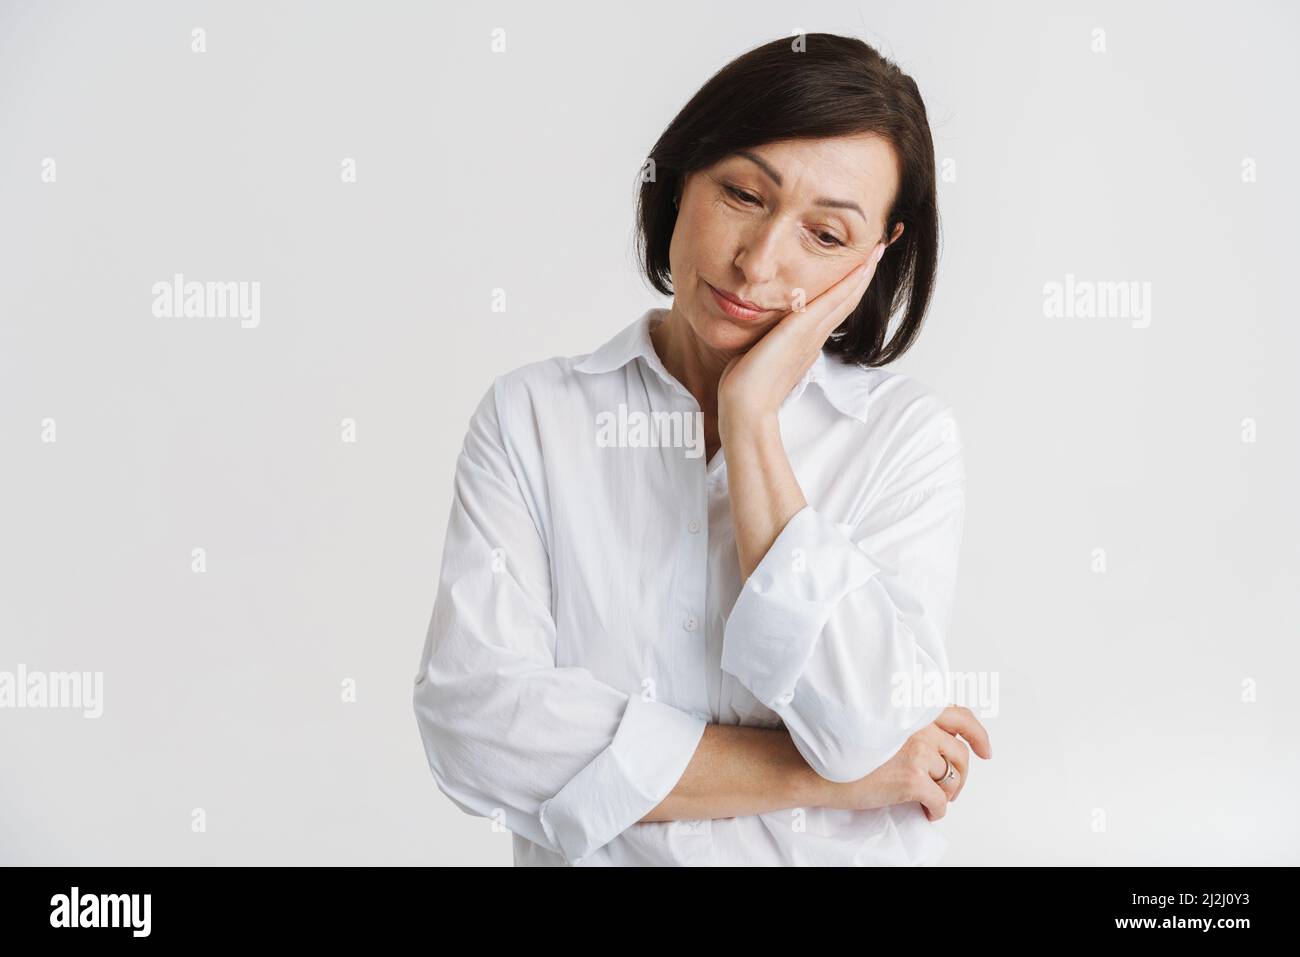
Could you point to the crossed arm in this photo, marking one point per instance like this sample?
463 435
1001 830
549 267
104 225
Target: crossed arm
739 770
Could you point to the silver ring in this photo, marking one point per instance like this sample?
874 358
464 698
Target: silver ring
949 772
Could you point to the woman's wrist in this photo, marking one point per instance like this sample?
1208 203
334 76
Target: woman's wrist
807 788
741 426
810 788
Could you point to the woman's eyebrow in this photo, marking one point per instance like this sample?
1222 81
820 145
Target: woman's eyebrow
775 177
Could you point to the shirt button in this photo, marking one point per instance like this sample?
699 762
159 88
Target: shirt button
690 623
692 526
785 698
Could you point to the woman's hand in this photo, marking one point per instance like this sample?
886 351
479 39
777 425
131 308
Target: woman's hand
754 384
912 773
765 492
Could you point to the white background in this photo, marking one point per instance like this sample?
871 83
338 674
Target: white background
1120 691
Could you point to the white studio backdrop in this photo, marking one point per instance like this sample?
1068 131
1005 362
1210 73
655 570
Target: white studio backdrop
237 520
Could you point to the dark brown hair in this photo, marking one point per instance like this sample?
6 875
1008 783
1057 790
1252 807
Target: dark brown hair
834 86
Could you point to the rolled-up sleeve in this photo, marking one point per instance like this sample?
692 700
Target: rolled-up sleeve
552 753
841 629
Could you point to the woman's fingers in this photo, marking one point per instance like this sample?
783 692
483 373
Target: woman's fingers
961 720
829 308
955 750
844 295
933 799
944 743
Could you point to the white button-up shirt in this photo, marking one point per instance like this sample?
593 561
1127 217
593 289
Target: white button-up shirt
590 619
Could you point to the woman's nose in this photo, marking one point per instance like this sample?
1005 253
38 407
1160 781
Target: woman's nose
759 254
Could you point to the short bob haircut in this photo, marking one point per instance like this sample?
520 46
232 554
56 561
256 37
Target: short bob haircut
835 86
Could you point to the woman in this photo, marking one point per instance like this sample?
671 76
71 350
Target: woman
595 678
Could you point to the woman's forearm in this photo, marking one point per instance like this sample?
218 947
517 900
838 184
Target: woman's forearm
738 771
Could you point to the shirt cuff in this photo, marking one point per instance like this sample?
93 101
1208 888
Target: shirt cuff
783 607
651 750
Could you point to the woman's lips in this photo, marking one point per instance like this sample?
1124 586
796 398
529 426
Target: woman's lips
733 308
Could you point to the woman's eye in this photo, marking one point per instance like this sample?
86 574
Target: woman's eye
741 195
824 239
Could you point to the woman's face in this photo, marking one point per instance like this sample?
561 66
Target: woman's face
767 222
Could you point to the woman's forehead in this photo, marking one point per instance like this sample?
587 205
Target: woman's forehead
843 155
843 169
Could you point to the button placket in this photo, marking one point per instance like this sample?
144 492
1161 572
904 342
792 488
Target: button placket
689 599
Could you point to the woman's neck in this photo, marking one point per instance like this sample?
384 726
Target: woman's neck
688 360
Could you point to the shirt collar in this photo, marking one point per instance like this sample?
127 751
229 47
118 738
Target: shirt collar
843 384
